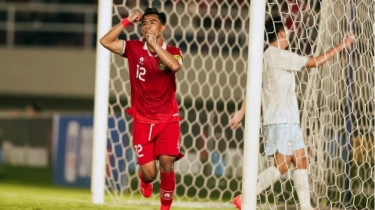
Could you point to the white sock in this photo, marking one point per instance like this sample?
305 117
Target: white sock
267 177
301 184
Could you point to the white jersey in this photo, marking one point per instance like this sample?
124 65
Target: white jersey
279 100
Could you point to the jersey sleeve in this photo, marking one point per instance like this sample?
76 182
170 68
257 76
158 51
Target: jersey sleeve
176 52
293 61
287 60
124 49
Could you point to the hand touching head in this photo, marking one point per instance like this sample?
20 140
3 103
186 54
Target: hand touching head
135 17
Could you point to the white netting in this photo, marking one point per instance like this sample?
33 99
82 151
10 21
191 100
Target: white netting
338 109
213 36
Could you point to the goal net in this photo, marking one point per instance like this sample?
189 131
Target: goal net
336 102
338 108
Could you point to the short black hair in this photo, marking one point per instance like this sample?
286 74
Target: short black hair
36 106
272 27
153 11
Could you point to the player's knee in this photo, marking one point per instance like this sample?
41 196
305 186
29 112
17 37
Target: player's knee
301 163
149 171
166 163
166 167
149 176
283 168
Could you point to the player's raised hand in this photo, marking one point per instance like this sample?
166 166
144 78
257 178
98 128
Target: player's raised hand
135 17
236 120
349 39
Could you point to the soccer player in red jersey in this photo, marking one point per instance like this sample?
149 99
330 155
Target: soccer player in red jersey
156 128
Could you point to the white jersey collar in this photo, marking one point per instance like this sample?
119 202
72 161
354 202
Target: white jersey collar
164 46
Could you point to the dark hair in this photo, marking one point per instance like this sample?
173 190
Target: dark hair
36 106
153 11
272 27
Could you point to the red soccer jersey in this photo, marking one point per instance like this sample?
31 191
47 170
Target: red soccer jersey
153 86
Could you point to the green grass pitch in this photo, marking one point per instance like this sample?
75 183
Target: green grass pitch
32 189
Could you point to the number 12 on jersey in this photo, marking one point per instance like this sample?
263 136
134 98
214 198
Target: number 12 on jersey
141 71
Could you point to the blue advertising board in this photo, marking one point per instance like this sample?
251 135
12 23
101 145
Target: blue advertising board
72 152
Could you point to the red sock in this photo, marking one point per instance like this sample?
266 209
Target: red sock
167 187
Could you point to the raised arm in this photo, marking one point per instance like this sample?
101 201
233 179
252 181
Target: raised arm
238 116
110 40
324 57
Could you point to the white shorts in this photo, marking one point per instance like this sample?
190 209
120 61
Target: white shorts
282 138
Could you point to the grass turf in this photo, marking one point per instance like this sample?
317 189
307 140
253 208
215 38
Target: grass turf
16 196
24 188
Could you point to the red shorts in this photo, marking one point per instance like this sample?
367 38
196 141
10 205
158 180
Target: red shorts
152 140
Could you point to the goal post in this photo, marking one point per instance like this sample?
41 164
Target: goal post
101 104
253 95
221 42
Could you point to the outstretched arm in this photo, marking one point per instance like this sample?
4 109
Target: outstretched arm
110 40
237 118
323 58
